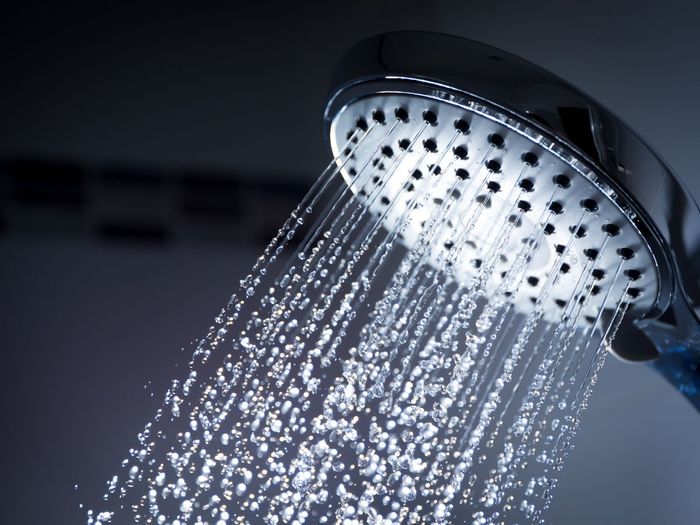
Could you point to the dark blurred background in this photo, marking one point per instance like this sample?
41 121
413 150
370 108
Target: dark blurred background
149 151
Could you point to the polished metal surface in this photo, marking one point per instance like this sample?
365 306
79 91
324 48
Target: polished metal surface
461 71
463 178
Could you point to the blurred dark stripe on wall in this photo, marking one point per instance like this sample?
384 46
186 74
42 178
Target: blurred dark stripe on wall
130 203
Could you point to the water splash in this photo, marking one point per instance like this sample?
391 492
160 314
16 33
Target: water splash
363 380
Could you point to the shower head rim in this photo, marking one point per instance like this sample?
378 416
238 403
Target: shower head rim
527 92
474 108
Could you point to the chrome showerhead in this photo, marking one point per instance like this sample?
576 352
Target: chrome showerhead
510 132
503 166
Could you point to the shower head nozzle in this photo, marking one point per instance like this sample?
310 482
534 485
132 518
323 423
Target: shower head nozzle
497 128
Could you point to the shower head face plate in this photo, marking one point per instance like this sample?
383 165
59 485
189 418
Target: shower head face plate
502 168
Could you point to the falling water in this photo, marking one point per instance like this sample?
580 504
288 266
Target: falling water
357 378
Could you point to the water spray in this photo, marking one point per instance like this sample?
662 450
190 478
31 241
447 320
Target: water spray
418 342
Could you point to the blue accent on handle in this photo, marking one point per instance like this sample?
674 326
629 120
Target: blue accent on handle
681 366
677 340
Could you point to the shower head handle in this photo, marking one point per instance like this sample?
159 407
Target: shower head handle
452 69
676 336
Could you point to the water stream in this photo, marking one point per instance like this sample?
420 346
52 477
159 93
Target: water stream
354 379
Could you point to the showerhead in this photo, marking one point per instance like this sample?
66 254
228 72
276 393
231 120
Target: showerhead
509 131
491 158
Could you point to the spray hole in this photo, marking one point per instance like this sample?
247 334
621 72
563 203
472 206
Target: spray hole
556 208
634 292
484 200
493 166
352 172
477 263
595 289
524 206
562 181
589 319
404 144
589 205
598 274
549 229
530 159
471 244
385 201
591 253
378 116
564 268
626 253
448 245
533 281
559 248
435 169
376 179
527 185
387 151
417 174
515 220
462 126
430 117
460 152
611 229
462 174
493 187
410 187
430 145
438 201
361 123
633 275
561 303
401 114
456 194
496 140
581 232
